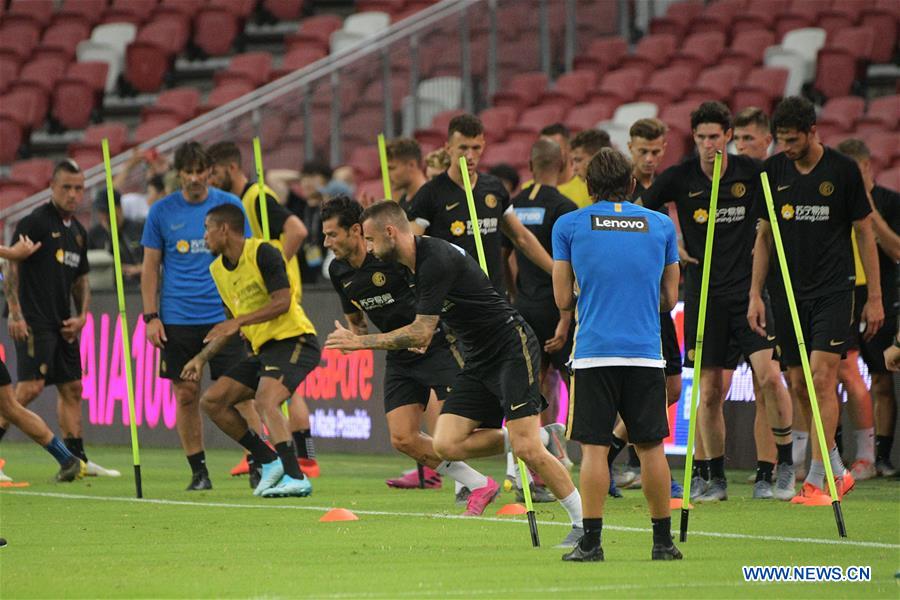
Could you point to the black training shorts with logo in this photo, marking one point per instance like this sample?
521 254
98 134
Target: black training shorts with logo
45 355
825 323
637 394
408 382
184 342
290 360
726 322
503 382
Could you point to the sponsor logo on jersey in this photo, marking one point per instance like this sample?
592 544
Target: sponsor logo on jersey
787 212
631 224
812 213
457 228
701 216
531 215
69 259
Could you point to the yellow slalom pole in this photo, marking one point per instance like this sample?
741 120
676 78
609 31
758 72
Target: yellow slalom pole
479 249
698 346
804 358
264 216
123 317
382 157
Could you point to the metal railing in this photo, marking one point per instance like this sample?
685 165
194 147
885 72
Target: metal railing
454 54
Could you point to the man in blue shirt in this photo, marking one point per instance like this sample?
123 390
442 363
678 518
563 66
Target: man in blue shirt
624 259
188 304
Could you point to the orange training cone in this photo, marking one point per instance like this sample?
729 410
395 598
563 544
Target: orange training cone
675 504
14 484
338 514
512 509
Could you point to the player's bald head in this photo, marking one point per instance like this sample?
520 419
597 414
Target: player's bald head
546 156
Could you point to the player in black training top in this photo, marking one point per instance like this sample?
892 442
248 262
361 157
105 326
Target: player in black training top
502 357
39 295
689 186
379 289
886 223
818 198
538 208
439 208
286 232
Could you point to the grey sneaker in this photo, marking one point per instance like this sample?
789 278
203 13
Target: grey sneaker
271 474
557 443
784 482
72 471
698 487
624 477
571 539
762 490
539 493
716 491
462 496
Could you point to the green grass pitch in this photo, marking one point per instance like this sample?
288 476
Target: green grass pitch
92 539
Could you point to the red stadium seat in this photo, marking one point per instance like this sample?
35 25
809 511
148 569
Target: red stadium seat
885 25
889 178
224 94
586 116
116 133
215 30
38 101
620 85
678 116
40 11
171 32
883 114
430 137
833 21
884 147
151 129
667 85
700 49
717 17
497 121
240 8
808 8
511 153
297 59
602 54
13 191
9 69
10 138
86 11
374 96
791 22
653 50
760 14
373 188
841 112
180 103
63 38
715 83
44 72
841 61
146 65
18 38
253 67
130 11
570 88
73 103
18 106
442 120
522 91
181 8
533 120
365 161
762 87
317 30
677 19
284 10
747 49
92 73
36 171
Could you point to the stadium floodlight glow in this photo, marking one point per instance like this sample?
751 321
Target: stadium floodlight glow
123 317
479 249
698 346
385 178
804 358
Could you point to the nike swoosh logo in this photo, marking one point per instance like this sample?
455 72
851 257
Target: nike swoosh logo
834 343
271 368
694 194
517 406
55 234
452 206
771 338
177 226
781 188
347 284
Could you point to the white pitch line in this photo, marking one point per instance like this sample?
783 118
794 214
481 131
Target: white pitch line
714 534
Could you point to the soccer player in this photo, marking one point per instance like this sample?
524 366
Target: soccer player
39 294
886 224
436 162
502 357
259 298
188 305
624 259
689 186
369 286
70 466
538 208
752 136
569 184
584 146
819 199
287 233
404 163
440 209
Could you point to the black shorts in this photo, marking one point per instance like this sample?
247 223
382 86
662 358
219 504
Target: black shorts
670 349
543 320
46 355
4 375
637 394
291 359
185 341
411 382
872 352
726 320
502 381
824 321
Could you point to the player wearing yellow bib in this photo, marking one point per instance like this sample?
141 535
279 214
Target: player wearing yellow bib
252 280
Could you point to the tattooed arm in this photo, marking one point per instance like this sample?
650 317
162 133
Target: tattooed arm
357 323
18 328
415 335
81 293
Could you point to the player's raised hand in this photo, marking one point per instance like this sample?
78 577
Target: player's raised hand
341 339
24 247
193 369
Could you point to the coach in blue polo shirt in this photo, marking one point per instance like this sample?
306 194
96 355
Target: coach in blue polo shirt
625 261
188 304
